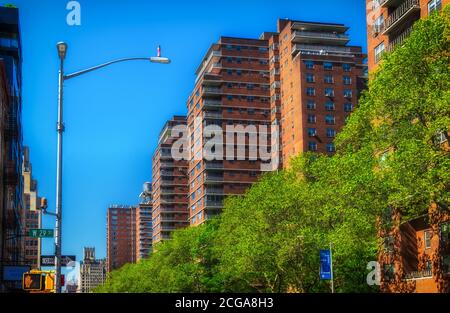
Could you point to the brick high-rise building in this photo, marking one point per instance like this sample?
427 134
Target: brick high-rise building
121 236
170 185
92 271
144 223
303 79
391 21
416 253
32 216
232 88
316 80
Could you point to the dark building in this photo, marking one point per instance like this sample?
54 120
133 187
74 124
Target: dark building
11 191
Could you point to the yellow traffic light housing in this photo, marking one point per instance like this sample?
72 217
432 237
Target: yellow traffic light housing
37 281
33 282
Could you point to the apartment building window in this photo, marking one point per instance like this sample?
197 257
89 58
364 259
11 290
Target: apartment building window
346 67
348 107
329 92
376 28
331 147
347 80
379 50
331 133
389 244
328 79
434 5
230 97
309 64
329 106
229 47
327 66
348 93
312 132
330 120
312 146
239 72
230 85
310 78
311 105
427 238
230 72
229 59
310 91
238 60
311 118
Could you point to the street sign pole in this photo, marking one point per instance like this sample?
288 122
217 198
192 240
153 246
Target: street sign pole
331 267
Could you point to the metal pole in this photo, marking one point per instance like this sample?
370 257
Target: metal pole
331 267
60 130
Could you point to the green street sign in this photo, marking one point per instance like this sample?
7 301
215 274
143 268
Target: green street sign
41 233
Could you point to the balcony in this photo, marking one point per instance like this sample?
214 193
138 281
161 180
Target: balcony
419 274
398 41
320 37
212 103
214 204
390 3
400 15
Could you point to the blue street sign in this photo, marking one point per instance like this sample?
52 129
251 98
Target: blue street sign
325 264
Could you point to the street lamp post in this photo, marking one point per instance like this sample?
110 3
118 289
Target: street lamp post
62 52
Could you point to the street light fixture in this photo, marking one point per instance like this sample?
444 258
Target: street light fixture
62 48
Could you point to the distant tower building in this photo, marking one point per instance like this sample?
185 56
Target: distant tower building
144 223
92 271
121 236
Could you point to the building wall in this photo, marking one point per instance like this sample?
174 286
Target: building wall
170 185
121 236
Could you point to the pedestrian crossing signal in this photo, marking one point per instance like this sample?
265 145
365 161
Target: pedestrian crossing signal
33 282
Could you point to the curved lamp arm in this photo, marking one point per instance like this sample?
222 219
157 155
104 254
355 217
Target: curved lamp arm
152 59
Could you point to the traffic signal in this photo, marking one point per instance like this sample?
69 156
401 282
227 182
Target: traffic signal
33 282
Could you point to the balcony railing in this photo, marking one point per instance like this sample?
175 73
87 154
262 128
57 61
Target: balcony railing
301 36
212 90
215 204
213 115
211 165
399 14
214 191
214 103
398 41
419 274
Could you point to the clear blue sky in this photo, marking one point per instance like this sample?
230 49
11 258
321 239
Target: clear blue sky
113 116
